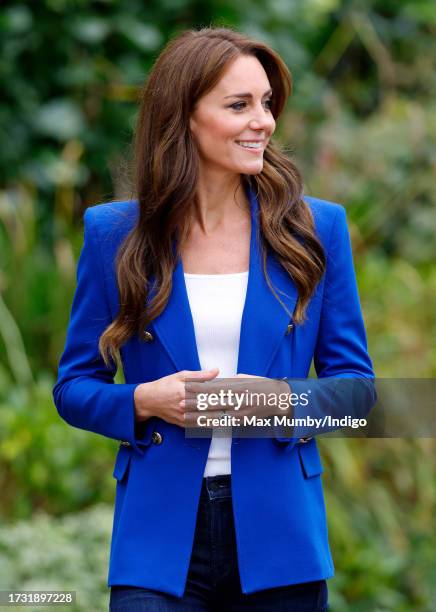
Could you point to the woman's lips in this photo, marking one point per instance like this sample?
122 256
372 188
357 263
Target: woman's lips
255 150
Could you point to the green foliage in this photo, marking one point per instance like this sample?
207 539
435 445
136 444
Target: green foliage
65 554
360 124
44 463
380 499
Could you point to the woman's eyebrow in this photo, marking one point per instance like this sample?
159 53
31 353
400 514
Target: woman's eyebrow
247 95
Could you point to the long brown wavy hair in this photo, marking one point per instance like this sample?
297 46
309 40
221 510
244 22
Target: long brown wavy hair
166 169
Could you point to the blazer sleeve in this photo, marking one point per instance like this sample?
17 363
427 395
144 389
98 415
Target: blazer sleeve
85 394
341 348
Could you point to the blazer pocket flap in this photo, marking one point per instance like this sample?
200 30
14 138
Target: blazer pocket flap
310 459
122 462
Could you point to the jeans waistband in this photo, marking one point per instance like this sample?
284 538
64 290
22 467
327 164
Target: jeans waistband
216 487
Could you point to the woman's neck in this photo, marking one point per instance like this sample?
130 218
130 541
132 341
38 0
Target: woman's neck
219 203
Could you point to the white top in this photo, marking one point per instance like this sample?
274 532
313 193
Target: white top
217 302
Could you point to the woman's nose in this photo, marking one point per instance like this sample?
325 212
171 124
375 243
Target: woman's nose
262 119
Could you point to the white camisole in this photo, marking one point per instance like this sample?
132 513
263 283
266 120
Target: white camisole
217 302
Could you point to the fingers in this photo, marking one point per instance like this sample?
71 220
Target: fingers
190 404
247 376
199 375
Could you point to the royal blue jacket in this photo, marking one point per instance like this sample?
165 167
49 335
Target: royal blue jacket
278 502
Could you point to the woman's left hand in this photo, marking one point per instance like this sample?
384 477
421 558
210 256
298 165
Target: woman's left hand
242 395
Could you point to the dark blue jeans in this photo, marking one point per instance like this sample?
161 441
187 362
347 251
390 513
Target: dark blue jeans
213 582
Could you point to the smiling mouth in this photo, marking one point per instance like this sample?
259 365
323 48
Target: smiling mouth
251 146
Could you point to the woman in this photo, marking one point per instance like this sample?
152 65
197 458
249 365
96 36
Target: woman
219 266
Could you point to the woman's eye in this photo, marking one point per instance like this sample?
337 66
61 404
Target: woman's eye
237 105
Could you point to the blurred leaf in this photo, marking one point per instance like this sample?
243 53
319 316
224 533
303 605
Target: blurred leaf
61 119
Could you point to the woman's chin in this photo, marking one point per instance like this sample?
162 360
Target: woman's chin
253 168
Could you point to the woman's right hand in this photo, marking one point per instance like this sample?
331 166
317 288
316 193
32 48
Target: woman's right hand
165 396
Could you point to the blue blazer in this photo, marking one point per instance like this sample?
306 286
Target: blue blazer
278 503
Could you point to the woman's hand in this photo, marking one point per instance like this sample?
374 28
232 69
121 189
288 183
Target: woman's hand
242 395
246 376
165 396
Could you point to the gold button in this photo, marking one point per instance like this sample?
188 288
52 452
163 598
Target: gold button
148 336
289 328
125 443
156 437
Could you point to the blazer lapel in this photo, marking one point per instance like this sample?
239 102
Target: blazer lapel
175 326
264 320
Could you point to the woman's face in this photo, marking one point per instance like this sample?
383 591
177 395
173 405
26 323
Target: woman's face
233 123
